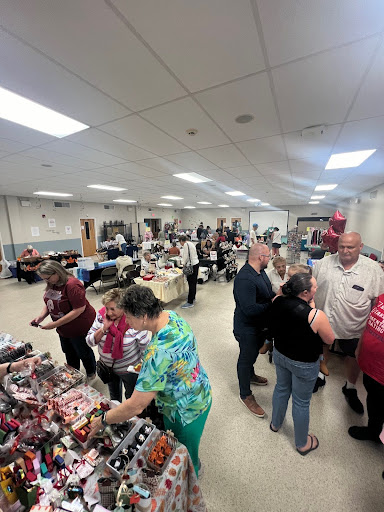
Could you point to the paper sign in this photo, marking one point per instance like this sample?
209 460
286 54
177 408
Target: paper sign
68 230
51 223
35 231
213 255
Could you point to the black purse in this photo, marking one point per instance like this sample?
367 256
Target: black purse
104 372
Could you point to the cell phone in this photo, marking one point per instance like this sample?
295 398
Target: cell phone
35 324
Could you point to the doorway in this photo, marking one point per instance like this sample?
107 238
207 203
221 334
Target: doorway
154 225
88 237
235 223
221 221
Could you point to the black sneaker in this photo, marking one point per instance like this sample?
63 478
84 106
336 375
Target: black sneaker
319 384
353 400
363 434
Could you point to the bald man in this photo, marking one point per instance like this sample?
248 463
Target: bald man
348 284
253 296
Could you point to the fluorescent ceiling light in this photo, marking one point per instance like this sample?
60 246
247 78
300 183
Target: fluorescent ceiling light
253 200
326 187
59 194
106 187
351 159
189 207
203 202
235 193
313 202
171 197
22 111
223 206
193 177
317 197
164 204
124 201
264 204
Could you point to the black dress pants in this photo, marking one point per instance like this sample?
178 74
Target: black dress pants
76 350
192 283
375 404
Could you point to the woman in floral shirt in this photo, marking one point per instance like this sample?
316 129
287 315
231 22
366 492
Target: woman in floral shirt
171 372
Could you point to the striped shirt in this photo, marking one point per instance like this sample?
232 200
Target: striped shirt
134 345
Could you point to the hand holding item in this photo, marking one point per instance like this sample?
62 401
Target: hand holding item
25 364
96 425
36 321
48 327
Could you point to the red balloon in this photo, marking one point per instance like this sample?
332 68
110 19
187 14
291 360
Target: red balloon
338 222
331 238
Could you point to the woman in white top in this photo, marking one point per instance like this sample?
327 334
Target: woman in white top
278 275
122 242
145 261
276 242
189 257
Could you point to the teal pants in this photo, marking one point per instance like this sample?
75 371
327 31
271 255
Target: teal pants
189 434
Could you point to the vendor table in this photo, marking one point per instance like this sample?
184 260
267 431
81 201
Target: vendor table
89 277
26 267
165 291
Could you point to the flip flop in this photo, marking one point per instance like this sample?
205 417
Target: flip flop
311 448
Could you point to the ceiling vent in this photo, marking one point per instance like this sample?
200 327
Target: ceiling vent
373 194
109 207
61 204
313 131
25 203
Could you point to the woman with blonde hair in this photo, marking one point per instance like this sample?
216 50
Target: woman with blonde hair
71 314
118 343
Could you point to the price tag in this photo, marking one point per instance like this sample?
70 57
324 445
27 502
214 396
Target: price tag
213 255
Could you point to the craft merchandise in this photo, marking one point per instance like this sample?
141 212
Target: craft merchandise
62 379
159 456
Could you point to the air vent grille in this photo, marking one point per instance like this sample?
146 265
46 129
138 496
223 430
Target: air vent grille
61 204
109 207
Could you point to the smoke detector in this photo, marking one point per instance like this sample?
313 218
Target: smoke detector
244 118
191 131
313 131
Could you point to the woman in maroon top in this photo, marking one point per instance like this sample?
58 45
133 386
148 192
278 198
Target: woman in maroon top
71 314
370 356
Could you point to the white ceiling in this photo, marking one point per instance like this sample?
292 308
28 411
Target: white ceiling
143 73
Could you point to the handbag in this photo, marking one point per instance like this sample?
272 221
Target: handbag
104 372
188 267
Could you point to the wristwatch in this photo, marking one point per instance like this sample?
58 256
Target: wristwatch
9 367
104 419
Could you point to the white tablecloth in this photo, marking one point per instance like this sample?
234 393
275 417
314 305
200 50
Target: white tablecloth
167 291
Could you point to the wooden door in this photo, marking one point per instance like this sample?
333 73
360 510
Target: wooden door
235 220
221 221
88 236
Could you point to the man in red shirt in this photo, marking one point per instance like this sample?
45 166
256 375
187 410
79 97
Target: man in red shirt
370 357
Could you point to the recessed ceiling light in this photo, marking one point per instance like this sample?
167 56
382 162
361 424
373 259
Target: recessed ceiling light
22 111
325 187
223 206
203 202
313 202
244 118
106 187
264 204
253 200
171 197
46 165
351 159
124 201
235 193
164 204
317 197
59 194
193 177
189 207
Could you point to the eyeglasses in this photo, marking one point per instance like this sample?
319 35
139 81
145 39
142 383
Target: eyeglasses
266 255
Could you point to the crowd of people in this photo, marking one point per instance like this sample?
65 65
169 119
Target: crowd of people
342 302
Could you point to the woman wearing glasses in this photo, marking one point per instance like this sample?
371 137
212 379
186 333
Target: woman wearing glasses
72 315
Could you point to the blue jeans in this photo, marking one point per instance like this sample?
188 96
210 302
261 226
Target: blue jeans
298 379
249 344
123 247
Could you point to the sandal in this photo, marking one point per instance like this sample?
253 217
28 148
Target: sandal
311 448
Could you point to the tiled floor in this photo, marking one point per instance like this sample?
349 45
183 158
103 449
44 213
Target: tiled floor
247 467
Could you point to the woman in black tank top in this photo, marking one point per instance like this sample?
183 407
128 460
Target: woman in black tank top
299 331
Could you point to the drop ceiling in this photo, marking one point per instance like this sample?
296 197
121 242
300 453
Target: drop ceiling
141 74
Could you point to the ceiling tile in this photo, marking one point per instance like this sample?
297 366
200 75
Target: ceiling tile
179 116
119 65
358 135
29 163
18 133
248 96
138 169
192 161
44 156
137 131
186 33
163 165
11 146
303 88
294 29
306 165
274 168
51 85
299 146
224 156
94 138
244 172
369 101
270 149
67 147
